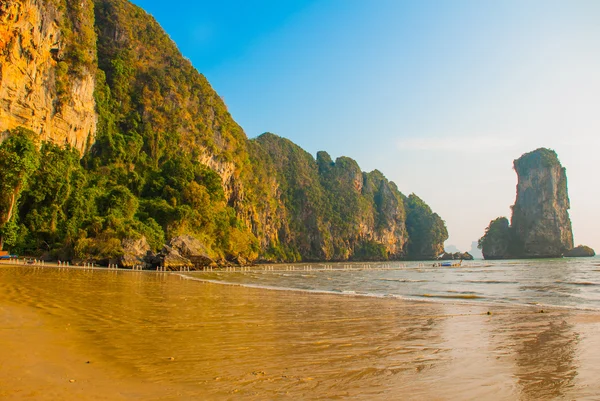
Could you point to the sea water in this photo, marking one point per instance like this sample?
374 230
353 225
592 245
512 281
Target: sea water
569 282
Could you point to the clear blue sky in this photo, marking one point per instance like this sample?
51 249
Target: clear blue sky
440 96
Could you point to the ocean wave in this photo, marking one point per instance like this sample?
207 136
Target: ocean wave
491 282
453 296
350 293
402 280
590 283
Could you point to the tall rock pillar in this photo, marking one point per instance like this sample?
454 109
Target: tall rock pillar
540 219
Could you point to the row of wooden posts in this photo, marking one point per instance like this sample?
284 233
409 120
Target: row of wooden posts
259 268
263 268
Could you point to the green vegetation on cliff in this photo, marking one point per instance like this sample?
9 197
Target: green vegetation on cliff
18 161
426 230
498 240
540 158
168 159
329 210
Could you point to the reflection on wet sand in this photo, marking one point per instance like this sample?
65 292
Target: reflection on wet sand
214 341
545 360
540 351
544 349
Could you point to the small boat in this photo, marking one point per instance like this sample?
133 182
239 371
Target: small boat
8 257
450 263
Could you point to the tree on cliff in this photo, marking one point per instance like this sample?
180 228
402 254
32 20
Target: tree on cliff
18 160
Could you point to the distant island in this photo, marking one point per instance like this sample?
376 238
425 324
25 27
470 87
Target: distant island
115 150
540 226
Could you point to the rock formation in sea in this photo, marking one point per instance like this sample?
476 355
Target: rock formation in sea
132 142
540 219
455 256
540 225
497 240
580 251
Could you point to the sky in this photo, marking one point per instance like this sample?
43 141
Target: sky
441 96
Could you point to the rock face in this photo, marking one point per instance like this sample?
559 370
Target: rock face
36 89
540 224
134 252
192 249
540 219
187 245
581 251
172 259
182 251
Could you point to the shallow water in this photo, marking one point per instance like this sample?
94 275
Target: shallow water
573 283
206 341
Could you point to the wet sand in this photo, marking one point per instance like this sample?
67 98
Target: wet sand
40 361
157 336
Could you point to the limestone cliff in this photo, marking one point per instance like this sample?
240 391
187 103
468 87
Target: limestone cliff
161 157
540 218
389 215
540 224
327 210
36 90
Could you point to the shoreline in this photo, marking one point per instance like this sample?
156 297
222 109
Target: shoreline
399 298
427 298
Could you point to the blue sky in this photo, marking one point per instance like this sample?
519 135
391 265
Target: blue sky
440 96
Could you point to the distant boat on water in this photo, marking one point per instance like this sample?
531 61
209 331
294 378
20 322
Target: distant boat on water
450 263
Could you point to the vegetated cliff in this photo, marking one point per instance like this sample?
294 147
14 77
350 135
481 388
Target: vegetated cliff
426 230
497 240
162 157
540 224
329 210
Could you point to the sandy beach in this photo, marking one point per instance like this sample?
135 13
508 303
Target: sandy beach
107 335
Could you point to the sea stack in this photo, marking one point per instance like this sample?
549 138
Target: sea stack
540 225
540 218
